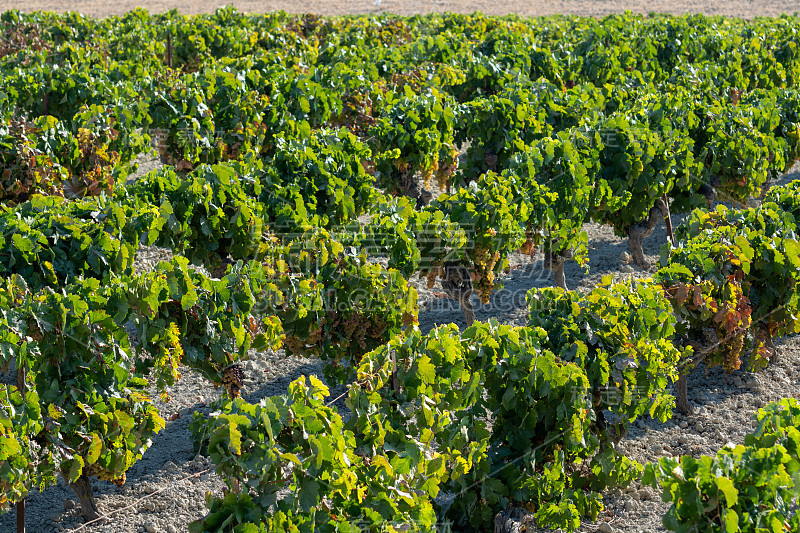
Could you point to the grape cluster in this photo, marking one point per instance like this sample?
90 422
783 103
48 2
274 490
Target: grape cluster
733 350
309 345
527 247
484 268
233 380
432 274
95 470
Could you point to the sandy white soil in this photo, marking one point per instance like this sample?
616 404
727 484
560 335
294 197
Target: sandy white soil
736 8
